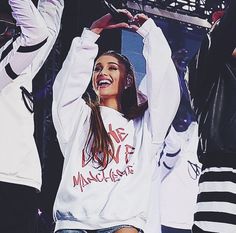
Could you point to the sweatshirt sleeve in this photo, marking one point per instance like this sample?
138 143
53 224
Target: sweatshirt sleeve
162 86
17 55
170 152
71 82
49 13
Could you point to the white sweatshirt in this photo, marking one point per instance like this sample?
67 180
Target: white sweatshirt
173 201
15 57
89 198
180 188
19 159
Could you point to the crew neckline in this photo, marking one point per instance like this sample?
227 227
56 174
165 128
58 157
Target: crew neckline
105 108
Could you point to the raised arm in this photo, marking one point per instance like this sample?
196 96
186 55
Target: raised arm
71 82
17 55
162 86
74 77
51 12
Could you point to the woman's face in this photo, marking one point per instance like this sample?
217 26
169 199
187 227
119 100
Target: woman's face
108 77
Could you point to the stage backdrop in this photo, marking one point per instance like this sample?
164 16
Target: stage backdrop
184 41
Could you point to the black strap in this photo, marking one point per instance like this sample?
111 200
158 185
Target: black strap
28 99
10 72
28 49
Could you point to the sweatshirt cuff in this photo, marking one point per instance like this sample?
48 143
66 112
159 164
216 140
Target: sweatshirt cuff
88 35
146 27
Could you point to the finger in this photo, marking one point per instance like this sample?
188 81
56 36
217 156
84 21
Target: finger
140 19
134 27
118 25
130 16
141 16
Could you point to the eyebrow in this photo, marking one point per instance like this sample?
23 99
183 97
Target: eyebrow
110 63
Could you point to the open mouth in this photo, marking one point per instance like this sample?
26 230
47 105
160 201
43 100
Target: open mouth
104 82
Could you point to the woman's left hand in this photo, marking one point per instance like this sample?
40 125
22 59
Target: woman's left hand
138 21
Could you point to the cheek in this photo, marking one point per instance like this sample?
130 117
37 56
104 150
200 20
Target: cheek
122 82
93 81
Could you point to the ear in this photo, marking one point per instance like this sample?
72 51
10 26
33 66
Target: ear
234 53
128 81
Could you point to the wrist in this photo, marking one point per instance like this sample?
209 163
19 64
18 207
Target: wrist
89 35
96 30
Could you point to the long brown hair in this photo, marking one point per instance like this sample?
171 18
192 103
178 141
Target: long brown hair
99 146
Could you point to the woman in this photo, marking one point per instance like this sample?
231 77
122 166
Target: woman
110 145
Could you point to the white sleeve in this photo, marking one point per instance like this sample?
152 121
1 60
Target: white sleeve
71 82
17 55
169 156
161 78
49 13
170 152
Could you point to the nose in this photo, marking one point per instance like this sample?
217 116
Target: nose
103 71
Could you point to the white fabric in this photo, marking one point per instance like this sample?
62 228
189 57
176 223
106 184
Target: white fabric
180 188
89 198
216 227
153 223
19 159
33 31
169 154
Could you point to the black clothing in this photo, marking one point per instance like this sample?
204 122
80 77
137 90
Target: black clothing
212 80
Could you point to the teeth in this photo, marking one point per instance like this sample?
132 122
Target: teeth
104 81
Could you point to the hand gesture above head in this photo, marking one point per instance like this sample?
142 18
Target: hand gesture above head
138 21
107 22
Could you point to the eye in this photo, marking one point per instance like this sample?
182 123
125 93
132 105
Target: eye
113 68
97 69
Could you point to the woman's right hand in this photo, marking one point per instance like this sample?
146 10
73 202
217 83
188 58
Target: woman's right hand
107 22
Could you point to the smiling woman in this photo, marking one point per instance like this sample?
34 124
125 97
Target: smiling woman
114 83
109 80
110 143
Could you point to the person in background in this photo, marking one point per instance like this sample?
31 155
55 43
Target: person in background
179 186
20 60
179 161
111 144
212 85
178 169
17 55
